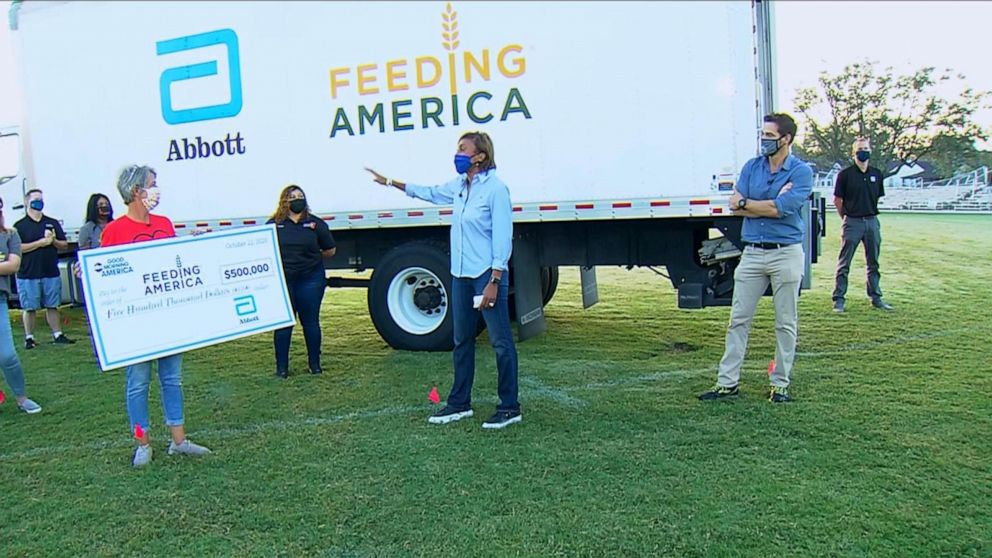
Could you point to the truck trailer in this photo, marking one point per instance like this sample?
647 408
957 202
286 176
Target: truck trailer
618 126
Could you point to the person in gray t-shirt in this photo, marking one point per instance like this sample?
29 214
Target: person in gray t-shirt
10 262
99 212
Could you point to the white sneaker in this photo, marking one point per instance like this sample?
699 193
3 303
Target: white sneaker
187 448
29 407
142 456
447 414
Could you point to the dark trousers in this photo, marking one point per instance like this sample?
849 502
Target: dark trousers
305 293
855 231
500 335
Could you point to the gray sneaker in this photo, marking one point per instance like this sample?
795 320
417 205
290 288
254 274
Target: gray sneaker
839 306
29 407
187 448
142 456
881 305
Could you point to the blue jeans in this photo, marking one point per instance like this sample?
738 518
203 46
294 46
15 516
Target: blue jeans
12 371
466 326
170 378
305 294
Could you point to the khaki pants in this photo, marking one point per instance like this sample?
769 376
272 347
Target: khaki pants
783 268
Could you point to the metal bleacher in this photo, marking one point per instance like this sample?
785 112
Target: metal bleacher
965 192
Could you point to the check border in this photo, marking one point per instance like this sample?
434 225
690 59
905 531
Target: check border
105 364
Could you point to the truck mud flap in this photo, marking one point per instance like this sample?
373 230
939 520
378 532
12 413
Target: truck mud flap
590 288
528 295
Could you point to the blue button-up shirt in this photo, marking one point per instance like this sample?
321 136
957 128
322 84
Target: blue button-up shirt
481 222
757 182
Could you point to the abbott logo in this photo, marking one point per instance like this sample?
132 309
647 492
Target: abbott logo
226 37
245 305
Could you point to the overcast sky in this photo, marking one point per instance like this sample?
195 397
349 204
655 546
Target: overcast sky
816 36
811 37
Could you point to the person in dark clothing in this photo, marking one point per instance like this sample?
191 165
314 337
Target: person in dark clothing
856 195
304 242
39 283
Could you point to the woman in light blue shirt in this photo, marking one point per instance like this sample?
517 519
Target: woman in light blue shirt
481 242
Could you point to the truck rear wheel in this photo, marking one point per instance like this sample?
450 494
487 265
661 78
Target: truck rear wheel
549 283
408 298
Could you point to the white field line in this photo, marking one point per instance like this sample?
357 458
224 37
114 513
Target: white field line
239 432
537 388
645 379
534 389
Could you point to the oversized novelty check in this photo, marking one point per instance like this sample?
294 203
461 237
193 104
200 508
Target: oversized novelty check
160 298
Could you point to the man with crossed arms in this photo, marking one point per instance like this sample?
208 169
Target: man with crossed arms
769 195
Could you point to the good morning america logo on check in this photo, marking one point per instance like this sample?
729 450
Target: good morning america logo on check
113 266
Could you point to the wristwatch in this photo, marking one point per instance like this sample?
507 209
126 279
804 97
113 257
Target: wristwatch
742 203
495 280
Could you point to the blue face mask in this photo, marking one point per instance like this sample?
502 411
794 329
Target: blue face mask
863 155
769 146
37 205
462 163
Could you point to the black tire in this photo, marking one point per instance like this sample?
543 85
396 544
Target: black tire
427 297
549 283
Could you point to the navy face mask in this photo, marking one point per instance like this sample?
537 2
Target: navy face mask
37 205
769 146
462 163
863 155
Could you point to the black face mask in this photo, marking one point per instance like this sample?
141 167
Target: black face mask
297 206
103 210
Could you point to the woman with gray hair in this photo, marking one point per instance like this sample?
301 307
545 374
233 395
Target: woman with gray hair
139 190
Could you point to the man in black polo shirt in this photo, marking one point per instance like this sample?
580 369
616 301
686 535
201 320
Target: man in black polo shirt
38 281
856 196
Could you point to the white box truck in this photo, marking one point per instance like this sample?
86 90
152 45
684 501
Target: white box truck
611 123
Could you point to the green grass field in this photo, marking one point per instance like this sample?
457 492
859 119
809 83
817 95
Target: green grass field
887 450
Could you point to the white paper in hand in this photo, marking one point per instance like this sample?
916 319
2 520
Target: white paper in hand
476 301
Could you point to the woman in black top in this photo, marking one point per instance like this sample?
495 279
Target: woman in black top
304 241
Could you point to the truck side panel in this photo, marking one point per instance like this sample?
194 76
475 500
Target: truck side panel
232 101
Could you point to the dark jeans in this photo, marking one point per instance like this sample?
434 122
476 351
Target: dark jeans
856 231
305 293
466 326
